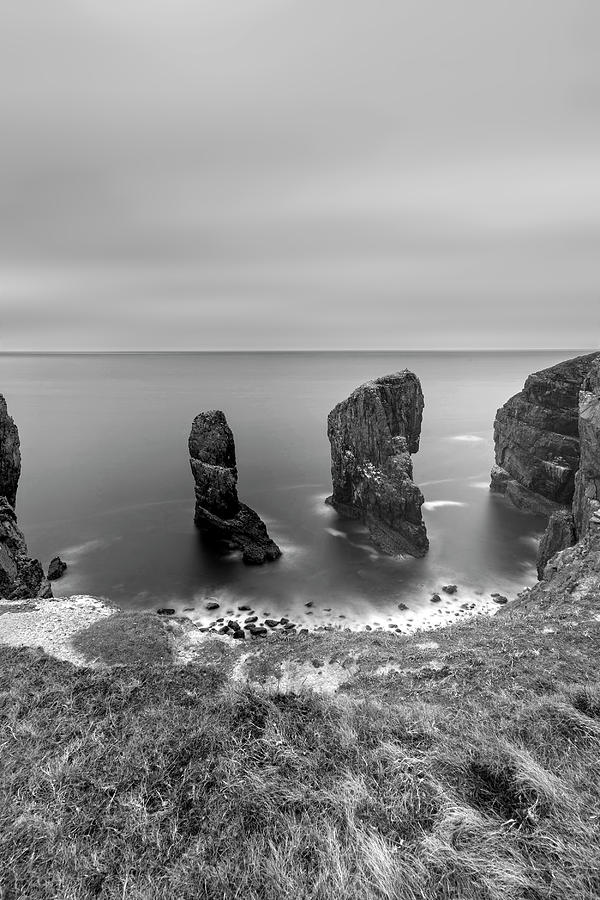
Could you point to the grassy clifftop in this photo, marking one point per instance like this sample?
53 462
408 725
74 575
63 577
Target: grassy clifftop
461 763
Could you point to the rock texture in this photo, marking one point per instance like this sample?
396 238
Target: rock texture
560 534
219 514
586 501
548 452
372 435
56 569
20 577
536 435
10 455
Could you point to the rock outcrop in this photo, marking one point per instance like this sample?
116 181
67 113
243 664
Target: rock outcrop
219 515
559 534
548 451
10 455
372 435
20 577
586 501
536 435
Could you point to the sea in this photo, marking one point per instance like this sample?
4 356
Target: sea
106 482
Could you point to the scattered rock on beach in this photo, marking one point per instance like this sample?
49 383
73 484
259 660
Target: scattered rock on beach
450 588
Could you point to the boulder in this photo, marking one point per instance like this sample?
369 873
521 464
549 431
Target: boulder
372 435
536 436
56 569
219 515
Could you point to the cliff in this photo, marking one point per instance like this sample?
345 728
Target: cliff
219 515
20 576
372 435
10 455
536 436
548 451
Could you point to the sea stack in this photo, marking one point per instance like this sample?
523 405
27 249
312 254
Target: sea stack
21 578
219 515
372 435
547 443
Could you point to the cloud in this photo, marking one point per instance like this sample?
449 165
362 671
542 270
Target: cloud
276 173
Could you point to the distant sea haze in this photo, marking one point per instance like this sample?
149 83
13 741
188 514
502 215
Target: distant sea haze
106 481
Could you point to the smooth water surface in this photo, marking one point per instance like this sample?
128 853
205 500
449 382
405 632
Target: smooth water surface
106 481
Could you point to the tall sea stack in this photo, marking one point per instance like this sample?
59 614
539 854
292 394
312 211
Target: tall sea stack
547 443
21 578
219 514
372 435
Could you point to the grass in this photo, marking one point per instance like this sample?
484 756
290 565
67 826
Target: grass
476 780
138 638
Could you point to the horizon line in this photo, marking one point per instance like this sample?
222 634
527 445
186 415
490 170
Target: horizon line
130 352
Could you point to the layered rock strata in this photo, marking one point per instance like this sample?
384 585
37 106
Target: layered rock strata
536 436
219 515
372 435
10 455
548 451
20 577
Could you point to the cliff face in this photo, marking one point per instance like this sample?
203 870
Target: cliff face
20 577
372 435
548 451
219 514
10 455
536 435
586 501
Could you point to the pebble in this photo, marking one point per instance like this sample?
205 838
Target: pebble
163 611
212 605
436 598
450 588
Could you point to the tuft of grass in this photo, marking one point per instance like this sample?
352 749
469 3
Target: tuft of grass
154 782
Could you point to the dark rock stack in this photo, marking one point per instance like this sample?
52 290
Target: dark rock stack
547 441
372 435
219 514
21 578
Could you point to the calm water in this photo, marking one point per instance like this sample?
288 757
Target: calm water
106 481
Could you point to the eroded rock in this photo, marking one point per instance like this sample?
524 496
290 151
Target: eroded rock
536 436
21 578
372 435
219 514
10 455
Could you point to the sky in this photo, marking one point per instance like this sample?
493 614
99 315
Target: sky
299 174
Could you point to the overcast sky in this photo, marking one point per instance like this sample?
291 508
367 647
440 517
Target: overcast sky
214 174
